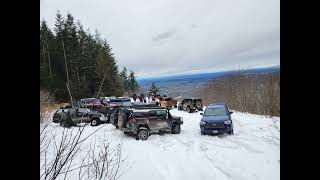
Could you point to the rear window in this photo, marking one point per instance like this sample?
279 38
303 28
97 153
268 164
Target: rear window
140 114
161 113
157 113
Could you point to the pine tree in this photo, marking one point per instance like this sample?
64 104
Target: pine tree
90 62
154 90
133 85
124 79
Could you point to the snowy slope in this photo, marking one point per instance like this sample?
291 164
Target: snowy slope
253 152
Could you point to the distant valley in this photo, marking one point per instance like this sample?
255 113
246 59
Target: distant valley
188 85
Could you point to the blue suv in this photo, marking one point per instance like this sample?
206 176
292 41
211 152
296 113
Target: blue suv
216 119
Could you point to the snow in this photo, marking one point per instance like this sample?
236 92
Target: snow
252 153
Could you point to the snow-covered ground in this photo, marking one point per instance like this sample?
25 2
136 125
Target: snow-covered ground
253 152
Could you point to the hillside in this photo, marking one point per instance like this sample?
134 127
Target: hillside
188 85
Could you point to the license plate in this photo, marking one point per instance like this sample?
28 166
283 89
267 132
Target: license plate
215 131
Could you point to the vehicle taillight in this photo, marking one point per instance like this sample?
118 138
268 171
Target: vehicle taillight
133 120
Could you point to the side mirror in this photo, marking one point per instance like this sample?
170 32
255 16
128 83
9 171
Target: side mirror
231 112
201 113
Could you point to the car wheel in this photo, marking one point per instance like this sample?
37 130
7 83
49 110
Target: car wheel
188 110
66 123
230 132
176 129
202 133
95 122
179 108
143 134
63 123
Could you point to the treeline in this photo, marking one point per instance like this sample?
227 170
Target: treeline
71 57
253 93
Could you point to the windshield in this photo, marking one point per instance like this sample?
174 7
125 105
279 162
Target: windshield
217 111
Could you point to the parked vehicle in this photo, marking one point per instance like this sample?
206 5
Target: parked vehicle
120 101
216 119
57 114
190 105
79 115
168 102
115 112
89 102
121 112
125 101
143 122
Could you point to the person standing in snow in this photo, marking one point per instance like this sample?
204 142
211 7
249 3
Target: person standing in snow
140 98
134 97
143 98
157 101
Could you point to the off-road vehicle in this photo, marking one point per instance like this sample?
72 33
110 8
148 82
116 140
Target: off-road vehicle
190 105
119 114
168 102
216 120
143 122
57 115
79 115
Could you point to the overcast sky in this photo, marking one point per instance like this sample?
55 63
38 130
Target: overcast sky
161 37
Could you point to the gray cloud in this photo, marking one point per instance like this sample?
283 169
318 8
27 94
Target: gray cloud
182 35
163 36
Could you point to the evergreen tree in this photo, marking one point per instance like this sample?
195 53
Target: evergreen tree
154 90
90 62
124 79
133 85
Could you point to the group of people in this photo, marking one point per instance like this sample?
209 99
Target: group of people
141 98
150 99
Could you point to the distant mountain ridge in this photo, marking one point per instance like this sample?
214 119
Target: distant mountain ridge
180 85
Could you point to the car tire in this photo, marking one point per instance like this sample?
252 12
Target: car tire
176 129
143 134
66 123
179 108
230 132
94 122
63 123
202 133
188 110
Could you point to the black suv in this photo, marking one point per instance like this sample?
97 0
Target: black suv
74 116
142 122
190 105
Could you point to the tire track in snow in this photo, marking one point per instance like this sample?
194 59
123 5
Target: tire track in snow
226 172
244 145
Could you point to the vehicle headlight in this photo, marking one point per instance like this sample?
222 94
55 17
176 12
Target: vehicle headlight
227 122
203 122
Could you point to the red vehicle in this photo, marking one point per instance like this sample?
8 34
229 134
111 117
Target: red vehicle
168 103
